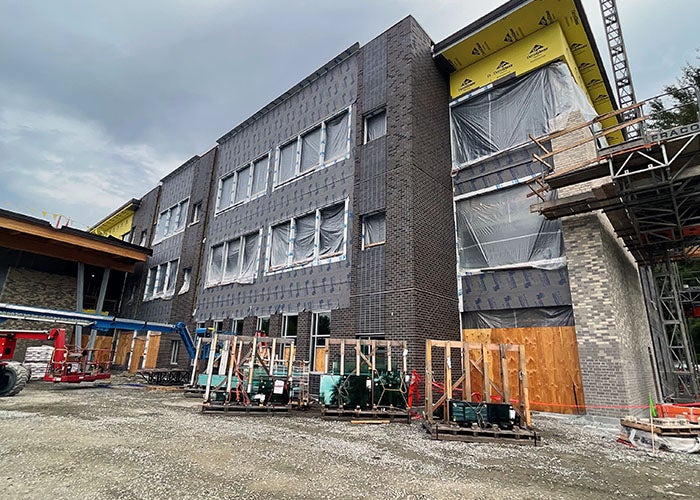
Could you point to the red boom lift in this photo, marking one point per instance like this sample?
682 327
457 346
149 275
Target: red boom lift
68 363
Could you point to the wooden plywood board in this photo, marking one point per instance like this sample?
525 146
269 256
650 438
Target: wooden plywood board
152 352
123 348
552 362
139 346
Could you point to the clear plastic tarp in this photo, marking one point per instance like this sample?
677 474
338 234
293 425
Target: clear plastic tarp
497 229
538 103
519 318
310 149
250 254
259 176
232 255
374 229
288 158
304 237
172 275
336 137
332 237
242 185
279 248
226 193
181 215
376 126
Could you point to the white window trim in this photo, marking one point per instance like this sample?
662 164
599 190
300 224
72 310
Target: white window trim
323 161
314 336
285 320
258 323
237 278
316 260
196 212
234 324
174 352
160 268
377 243
372 115
250 196
175 209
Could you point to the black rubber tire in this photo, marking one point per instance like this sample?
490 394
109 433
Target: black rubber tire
8 379
21 380
29 373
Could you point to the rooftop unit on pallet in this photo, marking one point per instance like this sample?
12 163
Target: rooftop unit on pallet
365 379
250 375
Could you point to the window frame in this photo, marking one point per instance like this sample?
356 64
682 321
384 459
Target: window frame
314 337
249 196
323 162
153 276
196 213
174 351
285 326
370 116
317 258
175 210
236 278
259 324
363 238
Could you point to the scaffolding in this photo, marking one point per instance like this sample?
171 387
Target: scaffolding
649 188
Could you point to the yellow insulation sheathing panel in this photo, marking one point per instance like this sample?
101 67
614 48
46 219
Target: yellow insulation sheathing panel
517 59
515 28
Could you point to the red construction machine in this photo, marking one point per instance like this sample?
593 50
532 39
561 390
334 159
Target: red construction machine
68 363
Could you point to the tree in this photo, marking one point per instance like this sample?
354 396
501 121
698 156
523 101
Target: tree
684 108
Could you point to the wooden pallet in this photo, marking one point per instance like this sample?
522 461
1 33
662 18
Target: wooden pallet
671 427
447 432
249 410
391 414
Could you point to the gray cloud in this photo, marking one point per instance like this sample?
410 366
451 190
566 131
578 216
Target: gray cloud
102 99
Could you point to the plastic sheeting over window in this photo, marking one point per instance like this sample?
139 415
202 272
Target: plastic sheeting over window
537 104
375 126
336 137
497 229
310 149
242 185
304 236
260 176
279 247
250 254
519 318
374 229
288 159
232 255
226 193
332 232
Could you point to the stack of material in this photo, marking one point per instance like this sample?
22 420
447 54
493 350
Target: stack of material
37 359
669 434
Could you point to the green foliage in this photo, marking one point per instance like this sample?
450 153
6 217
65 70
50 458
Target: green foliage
684 108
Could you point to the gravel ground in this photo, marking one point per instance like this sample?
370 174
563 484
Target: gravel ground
121 441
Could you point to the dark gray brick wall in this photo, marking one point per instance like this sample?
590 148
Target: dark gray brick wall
314 288
611 327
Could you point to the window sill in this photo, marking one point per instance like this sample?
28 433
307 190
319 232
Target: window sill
220 211
239 280
371 245
168 236
162 296
329 259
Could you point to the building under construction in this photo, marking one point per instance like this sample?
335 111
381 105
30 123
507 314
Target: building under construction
482 187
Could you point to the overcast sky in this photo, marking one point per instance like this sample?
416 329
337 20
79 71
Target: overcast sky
100 99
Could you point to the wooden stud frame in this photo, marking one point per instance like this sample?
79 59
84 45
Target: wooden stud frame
238 352
481 363
355 346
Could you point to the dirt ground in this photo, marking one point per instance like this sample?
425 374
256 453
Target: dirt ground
122 441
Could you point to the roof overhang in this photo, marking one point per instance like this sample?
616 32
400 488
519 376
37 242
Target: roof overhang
119 215
28 234
517 31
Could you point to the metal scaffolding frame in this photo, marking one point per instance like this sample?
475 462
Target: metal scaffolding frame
649 188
